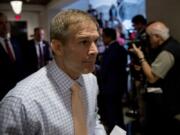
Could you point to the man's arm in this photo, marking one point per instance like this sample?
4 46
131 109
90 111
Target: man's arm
10 117
162 64
13 117
151 77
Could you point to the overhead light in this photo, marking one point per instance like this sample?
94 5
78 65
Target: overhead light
16 6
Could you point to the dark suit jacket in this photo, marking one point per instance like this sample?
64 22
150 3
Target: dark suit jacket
113 83
31 56
10 73
113 69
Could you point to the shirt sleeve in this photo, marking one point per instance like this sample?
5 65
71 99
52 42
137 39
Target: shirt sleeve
99 128
13 117
10 116
162 64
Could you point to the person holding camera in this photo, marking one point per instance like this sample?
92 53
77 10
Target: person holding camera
137 37
165 68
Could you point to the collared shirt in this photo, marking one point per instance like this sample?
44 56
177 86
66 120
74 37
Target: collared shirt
40 53
4 46
37 44
41 104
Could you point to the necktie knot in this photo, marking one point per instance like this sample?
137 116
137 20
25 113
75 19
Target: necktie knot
75 88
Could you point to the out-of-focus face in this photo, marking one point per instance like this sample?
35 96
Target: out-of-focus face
106 39
138 26
78 55
39 35
4 26
154 40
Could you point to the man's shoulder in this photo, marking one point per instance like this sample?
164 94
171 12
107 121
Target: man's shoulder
171 42
90 77
30 85
172 46
117 48
90 83
31 41
46 42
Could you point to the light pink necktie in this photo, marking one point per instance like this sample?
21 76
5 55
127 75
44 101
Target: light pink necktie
78 111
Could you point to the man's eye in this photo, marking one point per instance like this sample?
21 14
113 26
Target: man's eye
96 41
85 42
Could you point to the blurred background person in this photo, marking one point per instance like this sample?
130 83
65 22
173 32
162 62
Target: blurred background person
38 52
138 37
165 69
113 11
91 10
11 58
139 23
120 35
112 81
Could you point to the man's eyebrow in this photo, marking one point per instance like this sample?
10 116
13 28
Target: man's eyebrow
83 37
88 37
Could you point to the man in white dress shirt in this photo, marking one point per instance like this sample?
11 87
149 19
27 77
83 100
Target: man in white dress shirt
42 103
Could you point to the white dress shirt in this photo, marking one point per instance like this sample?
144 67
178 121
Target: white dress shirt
41 104
10 46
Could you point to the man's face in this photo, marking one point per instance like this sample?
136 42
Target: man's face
39 35
80 51
4 26
137 26
154 41
106 39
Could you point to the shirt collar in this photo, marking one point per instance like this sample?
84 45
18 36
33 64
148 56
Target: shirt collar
38 42
2 39
63 81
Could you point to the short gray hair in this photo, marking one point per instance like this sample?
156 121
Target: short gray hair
61 23
158 28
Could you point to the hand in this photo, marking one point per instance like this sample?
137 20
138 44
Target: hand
137 51
137 67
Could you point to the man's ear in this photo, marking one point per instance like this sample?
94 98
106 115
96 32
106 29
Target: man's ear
56 46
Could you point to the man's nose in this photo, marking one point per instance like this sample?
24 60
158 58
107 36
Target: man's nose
93 48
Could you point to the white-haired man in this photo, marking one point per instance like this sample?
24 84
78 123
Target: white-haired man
165 68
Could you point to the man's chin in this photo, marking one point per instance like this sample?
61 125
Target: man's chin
88 70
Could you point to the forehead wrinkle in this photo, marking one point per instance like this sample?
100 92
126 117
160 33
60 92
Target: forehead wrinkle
88 36
88 25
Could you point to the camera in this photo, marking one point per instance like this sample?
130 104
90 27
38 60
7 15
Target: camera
136 42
